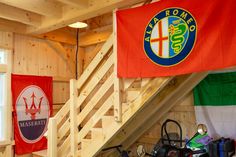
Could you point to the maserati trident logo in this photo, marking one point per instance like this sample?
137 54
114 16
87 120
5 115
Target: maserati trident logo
33 112
33 109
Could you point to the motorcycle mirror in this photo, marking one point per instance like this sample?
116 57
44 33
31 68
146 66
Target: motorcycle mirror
202 129
141 151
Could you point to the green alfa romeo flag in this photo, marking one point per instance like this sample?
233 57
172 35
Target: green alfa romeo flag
215 104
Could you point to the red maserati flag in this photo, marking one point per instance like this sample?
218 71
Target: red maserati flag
173 37
32 107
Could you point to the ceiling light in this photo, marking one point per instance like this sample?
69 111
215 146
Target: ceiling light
78 25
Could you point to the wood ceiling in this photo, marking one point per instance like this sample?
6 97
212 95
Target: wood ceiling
41 16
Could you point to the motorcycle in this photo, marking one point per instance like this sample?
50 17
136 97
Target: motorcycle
170 144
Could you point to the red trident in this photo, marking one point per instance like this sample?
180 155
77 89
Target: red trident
33 109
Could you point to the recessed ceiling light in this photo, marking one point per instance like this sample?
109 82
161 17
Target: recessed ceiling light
78 25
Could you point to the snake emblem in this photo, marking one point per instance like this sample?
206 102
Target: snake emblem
177 36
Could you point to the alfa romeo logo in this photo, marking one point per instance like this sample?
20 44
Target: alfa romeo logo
32 108
170 36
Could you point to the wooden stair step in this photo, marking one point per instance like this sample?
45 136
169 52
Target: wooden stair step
85 143
42 153
132 95
97 134
107 121
125 107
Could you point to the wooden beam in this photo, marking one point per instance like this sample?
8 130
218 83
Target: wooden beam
86 38
73 15
11 26
19 15
100 21
76 3
95 36
59 36
63 53
45 7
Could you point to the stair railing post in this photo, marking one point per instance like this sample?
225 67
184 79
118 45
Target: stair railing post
52 137
73 114
117 81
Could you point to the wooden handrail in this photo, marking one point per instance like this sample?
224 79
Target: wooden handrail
94 81
97 116
61 115
62 112
68 117
63 148
100 93
97 59
64 129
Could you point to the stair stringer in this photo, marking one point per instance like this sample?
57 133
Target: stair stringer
157 107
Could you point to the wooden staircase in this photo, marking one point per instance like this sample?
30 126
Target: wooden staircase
104 111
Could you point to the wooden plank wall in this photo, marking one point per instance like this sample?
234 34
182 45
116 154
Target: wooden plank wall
93 37
34 56
6 40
